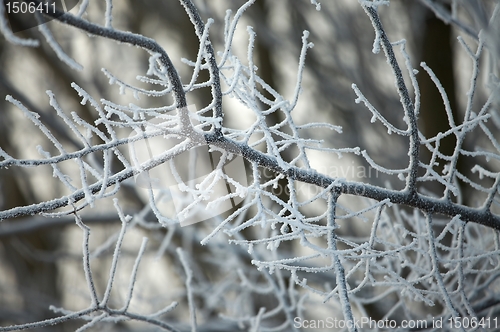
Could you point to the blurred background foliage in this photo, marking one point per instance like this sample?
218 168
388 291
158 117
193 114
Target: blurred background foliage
36 259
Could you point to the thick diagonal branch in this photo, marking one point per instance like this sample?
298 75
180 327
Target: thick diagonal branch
408 197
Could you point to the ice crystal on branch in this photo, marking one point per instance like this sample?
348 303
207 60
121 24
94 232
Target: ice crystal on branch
270 239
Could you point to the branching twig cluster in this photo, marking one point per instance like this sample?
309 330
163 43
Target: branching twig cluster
420 249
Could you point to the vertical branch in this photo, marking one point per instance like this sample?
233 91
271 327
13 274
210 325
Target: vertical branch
468 111
195 18
251 66
337 265
435 268
461 276
231 28
86 260
404 95
302 60
116 254
189 279
109 15
133 276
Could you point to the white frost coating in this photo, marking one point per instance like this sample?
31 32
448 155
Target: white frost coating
412 73
86 260
376 43
231 28
441 90
133 275
305 46
317 4
34 117
189 278
199 58
251 66
67 121
57 48
135 90
109 14
5 155
374 3
376 115
338 129
89 197
83 8
350 236
383 169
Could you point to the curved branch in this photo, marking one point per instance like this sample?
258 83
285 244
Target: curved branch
128 38
213 68
94 188
424 203
408 197
404 96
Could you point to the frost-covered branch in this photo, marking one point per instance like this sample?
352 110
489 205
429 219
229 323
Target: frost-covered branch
326 242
